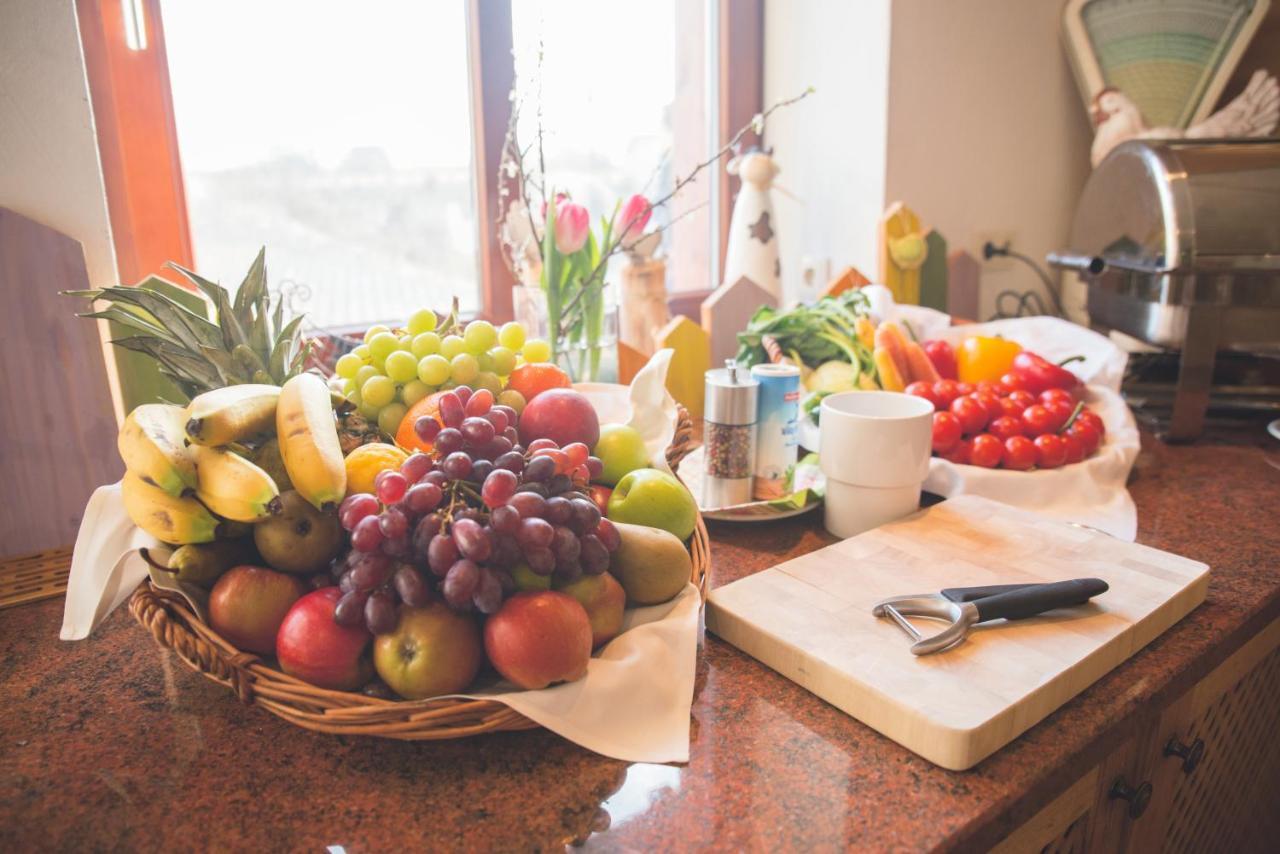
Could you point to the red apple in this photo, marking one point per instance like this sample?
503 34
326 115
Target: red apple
562 415
600 495
248 603
538 638
315 649
604 601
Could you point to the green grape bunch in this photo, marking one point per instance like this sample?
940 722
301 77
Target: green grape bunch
393 369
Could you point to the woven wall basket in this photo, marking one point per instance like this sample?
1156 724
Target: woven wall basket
258 682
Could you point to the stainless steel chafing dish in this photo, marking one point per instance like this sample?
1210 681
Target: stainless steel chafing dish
1179 245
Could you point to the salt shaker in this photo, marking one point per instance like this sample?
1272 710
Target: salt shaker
729 435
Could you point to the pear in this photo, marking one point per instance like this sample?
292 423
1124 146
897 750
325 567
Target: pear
299 539
651 564
269 460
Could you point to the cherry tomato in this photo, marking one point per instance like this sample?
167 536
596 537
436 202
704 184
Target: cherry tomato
1051 451
925 390
987 451
990 402
1008 406
1006 426
945 391
972 414
964 388
988 387
1048 396
1019 453
1060 410
1075 448
946 431
1087 434
1090 417
959 453
1038 420
1011 382
1022 398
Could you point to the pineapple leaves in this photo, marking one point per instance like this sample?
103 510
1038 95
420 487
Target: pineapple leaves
254 286
249 342
232 332
186 327
282 354
132 320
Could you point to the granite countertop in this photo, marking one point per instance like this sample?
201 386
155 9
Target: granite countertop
114 743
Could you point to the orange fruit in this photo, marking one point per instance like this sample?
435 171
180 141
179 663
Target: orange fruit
365 462
405 435
533 379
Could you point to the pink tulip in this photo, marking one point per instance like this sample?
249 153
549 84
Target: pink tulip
561 200
572 224
634 217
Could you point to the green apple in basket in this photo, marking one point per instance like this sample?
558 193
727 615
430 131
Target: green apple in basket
654 498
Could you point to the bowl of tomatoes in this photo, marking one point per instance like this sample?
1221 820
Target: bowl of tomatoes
1003 424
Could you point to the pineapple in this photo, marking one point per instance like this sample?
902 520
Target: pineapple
355 430
247 344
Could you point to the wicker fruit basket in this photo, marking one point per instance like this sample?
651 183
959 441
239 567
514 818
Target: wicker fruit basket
256 682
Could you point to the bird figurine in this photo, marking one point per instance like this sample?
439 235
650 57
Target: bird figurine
1254 112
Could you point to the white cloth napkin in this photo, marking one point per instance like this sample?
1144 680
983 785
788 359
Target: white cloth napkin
633 703
106 566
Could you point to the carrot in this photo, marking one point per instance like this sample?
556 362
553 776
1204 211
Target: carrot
921 366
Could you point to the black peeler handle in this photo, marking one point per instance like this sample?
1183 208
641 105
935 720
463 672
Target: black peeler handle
1036 599
971 594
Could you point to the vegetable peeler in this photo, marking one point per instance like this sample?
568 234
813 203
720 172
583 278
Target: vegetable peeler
967 606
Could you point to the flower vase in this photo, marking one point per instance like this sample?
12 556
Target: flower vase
583 360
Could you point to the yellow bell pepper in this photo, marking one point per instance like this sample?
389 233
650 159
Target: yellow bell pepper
980 358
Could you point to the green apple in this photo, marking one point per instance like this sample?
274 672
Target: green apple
432 651
621 450
654 498
526 579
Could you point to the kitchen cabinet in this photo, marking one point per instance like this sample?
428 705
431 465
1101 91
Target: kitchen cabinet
1200 774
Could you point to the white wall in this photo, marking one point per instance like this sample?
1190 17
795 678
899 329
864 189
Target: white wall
49 167
973 121
831 146
986 133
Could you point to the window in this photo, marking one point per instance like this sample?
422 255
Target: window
360 142
337 134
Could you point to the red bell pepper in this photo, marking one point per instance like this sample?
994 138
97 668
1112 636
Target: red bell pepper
1039 374
943 358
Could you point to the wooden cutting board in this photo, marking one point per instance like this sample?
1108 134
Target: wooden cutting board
810 619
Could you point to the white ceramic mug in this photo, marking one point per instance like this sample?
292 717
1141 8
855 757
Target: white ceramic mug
874 449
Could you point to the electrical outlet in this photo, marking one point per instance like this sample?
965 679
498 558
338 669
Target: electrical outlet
996 264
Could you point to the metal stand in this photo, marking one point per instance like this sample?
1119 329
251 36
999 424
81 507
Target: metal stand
1195 373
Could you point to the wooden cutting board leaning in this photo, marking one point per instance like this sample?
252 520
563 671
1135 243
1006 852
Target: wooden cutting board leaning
810 619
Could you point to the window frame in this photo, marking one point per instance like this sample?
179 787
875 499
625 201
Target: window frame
142 171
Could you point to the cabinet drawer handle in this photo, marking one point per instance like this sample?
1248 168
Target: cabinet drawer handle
1191 754
1139 797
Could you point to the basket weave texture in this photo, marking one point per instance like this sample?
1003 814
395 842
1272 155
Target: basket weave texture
257 682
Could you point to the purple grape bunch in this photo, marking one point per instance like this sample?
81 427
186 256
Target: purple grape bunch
456 523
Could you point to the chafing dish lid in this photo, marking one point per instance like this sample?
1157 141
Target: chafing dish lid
1165 206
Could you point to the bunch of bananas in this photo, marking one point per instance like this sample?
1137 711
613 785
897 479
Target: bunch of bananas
184 486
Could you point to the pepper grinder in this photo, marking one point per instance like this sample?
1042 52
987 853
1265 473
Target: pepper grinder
729 435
